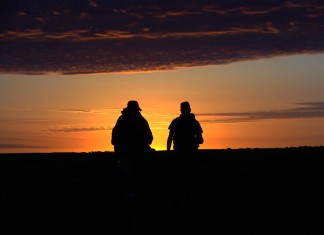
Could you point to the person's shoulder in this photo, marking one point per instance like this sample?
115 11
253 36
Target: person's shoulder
140 116
120 118
173 123
175 120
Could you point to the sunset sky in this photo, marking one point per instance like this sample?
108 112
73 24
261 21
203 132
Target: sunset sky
253 71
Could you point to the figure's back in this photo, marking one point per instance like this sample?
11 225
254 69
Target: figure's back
132 133
185 132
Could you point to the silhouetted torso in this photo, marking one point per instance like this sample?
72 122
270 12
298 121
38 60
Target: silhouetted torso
185 131
131 133
185 128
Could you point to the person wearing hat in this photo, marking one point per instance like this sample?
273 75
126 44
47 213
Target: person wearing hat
185 131
132 132
131 138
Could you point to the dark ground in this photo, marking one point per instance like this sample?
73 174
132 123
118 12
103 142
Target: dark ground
250 191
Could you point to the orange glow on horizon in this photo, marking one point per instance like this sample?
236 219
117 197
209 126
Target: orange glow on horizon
76 113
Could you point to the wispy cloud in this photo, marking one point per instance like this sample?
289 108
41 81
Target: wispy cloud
87 111
119 36
304 110
6 121
21 146
76 129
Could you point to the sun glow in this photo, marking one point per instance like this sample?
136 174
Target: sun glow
56 113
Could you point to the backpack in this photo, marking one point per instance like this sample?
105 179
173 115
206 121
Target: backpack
185 132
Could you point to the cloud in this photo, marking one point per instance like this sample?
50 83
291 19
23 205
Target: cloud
6 121
21 146
73 37
77 129
305 110
88 111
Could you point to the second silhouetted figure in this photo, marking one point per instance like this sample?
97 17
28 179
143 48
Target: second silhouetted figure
185 131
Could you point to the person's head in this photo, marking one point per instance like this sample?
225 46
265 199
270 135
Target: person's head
185 107
133 106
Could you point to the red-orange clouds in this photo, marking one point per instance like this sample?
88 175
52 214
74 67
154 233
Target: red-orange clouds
73 37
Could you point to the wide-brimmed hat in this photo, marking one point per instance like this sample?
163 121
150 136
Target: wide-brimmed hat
133 105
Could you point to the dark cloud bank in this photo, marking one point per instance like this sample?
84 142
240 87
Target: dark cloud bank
73 37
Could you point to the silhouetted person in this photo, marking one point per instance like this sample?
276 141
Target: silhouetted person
186 135
185 131
132 133
131 138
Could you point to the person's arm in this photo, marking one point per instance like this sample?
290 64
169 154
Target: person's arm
149 133
115 134
200 139
171 133
169 142
199 136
